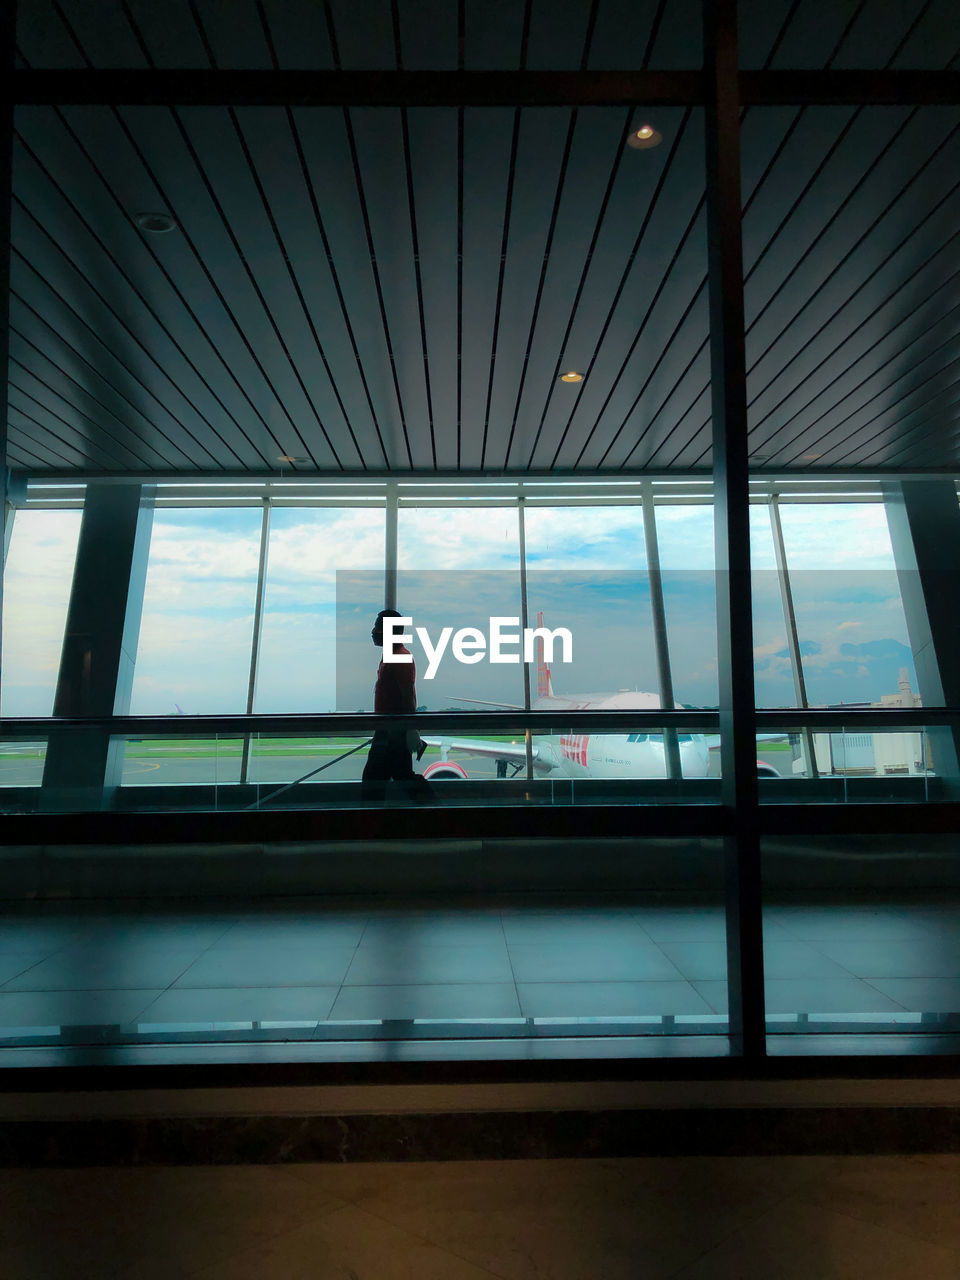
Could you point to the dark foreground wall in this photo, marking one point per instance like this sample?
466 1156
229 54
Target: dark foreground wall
870 863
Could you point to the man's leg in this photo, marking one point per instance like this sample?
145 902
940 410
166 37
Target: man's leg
376 772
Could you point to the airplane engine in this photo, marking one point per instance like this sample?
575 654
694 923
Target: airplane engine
765 770
445 771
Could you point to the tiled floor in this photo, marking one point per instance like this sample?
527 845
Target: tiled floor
313 967
727 1218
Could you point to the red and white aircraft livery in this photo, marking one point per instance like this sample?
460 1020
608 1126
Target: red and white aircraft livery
603 755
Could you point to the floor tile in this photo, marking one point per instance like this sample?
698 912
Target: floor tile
683 924
922 995
269 966
313 930
14 963
850 922
814 995
86 967
563 1219
927 957
153 1222
596 999
398 962
558 928
795 1241
899 1193
346 1244
439 1000
435 930
241 1004
72 1008
576 961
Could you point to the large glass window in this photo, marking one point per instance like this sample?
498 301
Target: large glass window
850 621
459 567
586 570
297 662
686 540
36 592
198 606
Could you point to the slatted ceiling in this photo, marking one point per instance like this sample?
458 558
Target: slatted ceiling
433 142
552 160
326 357
395 362
619 223
104 36
232 34
220 147
428 34
558 36
335 245
383 155
65 396
623 32
859 293
933 40
580 210
165 269
298 33
208 252
168 33
72 450
664 268
91 354
487 139
145 339
42 39
364 35
493 34
541 161
245 34
678 41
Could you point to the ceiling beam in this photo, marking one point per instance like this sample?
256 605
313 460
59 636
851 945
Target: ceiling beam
356 88
471 88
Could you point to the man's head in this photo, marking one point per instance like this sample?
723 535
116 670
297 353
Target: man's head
377 632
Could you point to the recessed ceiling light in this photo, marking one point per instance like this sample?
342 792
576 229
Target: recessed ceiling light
156 224
286 457
572 376
644 137
810 457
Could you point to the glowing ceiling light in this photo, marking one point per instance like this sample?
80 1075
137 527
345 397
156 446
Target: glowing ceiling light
572 376
644 137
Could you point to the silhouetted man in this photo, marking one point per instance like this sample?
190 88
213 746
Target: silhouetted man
390 756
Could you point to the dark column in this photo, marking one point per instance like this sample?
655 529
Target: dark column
99 643
738 748
8 27
924 521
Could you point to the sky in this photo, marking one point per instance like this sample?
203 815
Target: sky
586 571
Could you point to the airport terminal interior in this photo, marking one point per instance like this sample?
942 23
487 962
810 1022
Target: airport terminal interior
613 350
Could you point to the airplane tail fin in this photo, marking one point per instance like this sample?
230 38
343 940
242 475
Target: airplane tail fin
544 679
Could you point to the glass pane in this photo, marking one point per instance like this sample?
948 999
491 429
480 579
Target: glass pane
459 568
586 570
772 669
850 621
297 664
36 592
860 936
686 539
197 625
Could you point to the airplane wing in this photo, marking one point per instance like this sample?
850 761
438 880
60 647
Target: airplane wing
515 752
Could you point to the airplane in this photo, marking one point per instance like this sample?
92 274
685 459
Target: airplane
578 756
